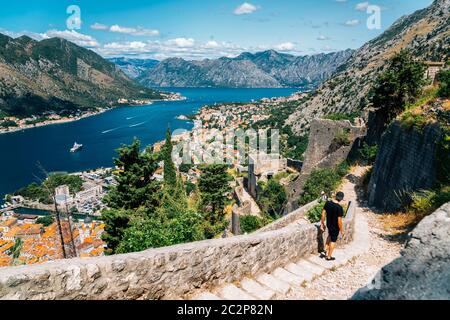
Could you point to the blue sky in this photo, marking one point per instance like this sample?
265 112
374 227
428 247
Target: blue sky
197 29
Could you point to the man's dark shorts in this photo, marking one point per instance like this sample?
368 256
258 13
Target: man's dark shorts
334 234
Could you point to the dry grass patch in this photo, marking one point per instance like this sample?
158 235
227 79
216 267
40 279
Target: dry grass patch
446 105
398 225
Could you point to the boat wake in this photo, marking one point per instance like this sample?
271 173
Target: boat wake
137 124
111 130
129 118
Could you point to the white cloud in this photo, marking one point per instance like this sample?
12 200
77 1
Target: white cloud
362 6
33 35
70 35
181 42
245 8
133 45
327 48
323 38
351 23
286 46
134 31
187 48
211 44
73 36
99 26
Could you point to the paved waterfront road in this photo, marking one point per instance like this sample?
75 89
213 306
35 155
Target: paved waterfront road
21 152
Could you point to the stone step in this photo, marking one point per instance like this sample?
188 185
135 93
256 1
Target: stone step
315 269
206 296
305 274
273 283
288 277
257 290
322 262
343 256
231 292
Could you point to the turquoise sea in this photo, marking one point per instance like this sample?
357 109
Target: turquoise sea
23 153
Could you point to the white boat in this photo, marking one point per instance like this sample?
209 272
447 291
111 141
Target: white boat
76 147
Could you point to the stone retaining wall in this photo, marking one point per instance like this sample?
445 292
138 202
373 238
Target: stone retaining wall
165 273
406 162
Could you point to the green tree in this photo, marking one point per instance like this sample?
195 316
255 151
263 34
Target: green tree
444 84
214 188
170 173
116 223
252 223
43 192
136 186
173 223
326 180
273 198
399 85
368 153
136 189
144 233
45 221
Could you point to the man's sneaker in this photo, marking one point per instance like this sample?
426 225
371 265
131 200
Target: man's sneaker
330 259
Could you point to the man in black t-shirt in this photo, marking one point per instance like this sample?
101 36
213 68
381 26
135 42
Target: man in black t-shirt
333 214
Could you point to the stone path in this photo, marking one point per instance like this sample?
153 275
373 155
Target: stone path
312 278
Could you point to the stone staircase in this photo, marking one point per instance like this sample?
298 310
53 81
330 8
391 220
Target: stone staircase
293 276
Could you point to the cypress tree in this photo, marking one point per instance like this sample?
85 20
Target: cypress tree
170 173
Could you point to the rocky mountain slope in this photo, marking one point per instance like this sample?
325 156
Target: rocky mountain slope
262 69
426 33
134 68
57 75
423 270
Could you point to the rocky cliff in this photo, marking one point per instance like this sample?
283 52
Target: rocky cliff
406 162
426 33
57 75
134 68
423 270
263 69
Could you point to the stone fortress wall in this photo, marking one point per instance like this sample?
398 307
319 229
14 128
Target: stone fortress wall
406 162
171 272
323 152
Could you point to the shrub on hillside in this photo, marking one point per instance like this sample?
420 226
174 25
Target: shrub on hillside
326 180
427 201
343 116
410 120
368 153
315 213
444 84
272 198
252 223
400 84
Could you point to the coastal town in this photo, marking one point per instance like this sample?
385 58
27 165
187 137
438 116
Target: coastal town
10 124
31 233
28 238
242 115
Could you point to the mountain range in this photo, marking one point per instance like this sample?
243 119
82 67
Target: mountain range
268 69
426 33
134 68
57 75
